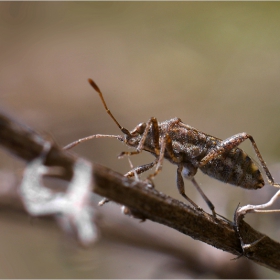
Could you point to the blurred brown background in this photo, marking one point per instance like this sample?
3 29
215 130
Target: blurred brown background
215 65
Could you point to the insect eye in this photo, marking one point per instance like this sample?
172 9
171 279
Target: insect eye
131 141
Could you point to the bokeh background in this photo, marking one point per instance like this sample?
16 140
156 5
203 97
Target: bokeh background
215 65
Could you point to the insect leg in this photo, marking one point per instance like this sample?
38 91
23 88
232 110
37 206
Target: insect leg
206 199
160 159
166 145
181 186
131 173
231 143
140 169
155 137
189 172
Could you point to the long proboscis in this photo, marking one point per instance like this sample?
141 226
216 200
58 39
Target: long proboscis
96 88
75 143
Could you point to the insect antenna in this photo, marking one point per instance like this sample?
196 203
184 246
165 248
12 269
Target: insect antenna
94 85
119 137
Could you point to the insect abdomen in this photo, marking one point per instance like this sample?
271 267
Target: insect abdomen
235 168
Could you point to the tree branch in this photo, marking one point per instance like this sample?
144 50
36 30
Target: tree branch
143 201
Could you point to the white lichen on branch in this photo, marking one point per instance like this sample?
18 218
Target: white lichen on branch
72 209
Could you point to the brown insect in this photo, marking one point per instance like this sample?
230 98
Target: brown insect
190 149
